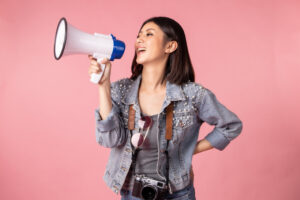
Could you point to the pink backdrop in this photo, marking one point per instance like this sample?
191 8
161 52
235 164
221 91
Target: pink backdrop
247 52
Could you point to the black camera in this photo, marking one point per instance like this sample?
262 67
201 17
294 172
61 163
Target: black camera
148 188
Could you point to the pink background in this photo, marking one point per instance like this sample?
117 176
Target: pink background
246 52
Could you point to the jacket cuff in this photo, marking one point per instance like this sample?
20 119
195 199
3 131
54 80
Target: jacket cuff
109 123
217 139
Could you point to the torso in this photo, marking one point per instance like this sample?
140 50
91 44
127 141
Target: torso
147 157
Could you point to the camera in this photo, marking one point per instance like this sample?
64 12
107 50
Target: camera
148 188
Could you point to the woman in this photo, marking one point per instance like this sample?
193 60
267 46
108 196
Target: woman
162 75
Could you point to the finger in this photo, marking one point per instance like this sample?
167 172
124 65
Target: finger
92 58
95 69
94 62
104 61
91 71
95 66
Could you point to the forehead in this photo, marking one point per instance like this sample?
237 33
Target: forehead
150 26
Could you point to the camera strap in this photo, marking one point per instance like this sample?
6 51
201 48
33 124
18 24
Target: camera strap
168 136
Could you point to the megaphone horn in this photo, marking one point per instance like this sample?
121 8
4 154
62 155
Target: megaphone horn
70 40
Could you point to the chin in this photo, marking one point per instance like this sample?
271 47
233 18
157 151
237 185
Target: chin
139 61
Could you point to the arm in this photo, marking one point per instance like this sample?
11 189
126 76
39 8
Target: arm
227 125
202 145
105 100
110 131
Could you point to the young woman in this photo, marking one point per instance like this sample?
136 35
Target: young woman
160 96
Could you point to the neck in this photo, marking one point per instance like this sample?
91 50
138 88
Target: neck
152 76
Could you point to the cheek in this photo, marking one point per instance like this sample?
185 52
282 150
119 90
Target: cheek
157 47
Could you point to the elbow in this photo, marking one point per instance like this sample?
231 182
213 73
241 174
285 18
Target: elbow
220 138
234 129
238 128
110 132
111 139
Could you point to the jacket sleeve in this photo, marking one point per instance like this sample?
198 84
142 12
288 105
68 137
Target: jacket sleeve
227 125
111 132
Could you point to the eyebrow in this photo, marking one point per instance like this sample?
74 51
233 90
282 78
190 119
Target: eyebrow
147 30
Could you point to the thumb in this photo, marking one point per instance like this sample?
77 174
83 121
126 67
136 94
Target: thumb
104 60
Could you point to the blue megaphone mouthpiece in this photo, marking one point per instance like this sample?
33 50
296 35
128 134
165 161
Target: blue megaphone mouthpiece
118 49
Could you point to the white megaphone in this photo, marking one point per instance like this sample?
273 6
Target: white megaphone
70 40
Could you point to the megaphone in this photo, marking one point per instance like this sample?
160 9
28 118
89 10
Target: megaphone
70 40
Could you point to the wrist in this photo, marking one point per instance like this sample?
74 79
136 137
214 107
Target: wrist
105 84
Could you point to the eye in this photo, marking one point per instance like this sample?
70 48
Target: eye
148 34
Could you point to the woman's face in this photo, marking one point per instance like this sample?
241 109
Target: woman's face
149 45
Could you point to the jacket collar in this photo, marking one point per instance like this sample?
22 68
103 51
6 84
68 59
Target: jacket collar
173 92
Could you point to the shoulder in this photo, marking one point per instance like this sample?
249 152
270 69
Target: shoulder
121 83
194 91
192 85
120 87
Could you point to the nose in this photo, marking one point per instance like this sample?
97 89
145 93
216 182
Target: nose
139 39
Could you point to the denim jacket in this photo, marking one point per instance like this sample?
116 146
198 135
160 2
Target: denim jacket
193 105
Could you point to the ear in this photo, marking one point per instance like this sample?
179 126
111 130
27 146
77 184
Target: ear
171 46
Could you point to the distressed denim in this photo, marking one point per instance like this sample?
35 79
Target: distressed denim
193 105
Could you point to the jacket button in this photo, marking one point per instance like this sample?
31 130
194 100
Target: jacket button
123 168
115 188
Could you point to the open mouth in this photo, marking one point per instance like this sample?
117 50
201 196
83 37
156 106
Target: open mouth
140 51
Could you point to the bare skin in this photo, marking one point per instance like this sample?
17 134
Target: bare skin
152 92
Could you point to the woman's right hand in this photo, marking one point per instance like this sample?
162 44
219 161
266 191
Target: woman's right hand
95 68
105 103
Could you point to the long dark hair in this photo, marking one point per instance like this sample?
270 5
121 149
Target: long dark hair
179 68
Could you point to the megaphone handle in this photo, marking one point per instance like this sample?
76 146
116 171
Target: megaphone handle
95 77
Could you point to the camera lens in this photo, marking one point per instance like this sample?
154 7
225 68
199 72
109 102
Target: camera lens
148 192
